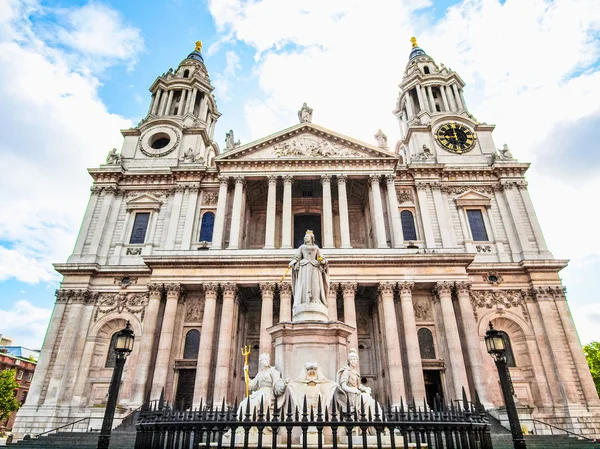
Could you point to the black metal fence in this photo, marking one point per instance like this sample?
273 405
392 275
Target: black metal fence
443 426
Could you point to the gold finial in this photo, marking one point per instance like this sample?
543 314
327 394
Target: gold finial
414 41
198 45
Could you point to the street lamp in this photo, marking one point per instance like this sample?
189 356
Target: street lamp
123 347
496 347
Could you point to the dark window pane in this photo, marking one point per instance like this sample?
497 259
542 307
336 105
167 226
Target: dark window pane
408 225
206 228
426 346
140 225
192 344
112 355
477 225
510 356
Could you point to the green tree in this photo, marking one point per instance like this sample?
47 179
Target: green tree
8 401
592 354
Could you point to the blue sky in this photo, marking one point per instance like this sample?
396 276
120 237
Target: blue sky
72 73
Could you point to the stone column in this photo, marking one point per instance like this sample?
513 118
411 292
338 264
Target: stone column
413 353
169 101
85 226
394 358
174 218
344 218
444 98
349 293
142 369
207 334
445 225
41 369
378 212
431 100
190 217
191 103
267 291
286 215
450 96
511 200
425 217
456 360
236 213
332 304
271 209
220 215
472 340
105 207
409 107
156 101
327 212
533 220
182 102
457 97
285 301
165 343
223 369
422 102
393 211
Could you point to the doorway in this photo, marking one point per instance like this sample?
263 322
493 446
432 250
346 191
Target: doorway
185 388
302 222
433 386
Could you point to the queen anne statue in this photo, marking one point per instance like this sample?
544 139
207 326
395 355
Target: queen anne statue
310 274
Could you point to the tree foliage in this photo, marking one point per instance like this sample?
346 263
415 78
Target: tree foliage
8 401
592 354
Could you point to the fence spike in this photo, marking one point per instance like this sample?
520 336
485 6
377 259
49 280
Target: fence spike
275 409
319 409
289 411
377 417
362 409
261 409
327 412
334 410
465 400
161 401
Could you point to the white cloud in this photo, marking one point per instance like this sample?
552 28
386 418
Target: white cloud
54 124
25 324
222 81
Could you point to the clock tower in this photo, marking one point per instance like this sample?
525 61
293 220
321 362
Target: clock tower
435 124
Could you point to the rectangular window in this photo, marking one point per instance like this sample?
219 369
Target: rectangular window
140 225
477 225
19 375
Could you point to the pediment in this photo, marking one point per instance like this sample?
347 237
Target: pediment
306 141
472 198
144 201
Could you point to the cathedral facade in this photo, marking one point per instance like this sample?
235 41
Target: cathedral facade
426 241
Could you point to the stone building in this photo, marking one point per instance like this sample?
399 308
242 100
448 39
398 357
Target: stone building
24 368
427 240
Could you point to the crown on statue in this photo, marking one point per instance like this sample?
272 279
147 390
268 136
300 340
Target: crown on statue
309 232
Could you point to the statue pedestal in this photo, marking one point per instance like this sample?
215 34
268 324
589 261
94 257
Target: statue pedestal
310 312
299 342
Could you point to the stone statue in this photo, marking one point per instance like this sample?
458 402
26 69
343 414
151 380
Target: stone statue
381 140
113 158
191 157
504 154
424 155
350 388
230 143
312 384
310 273
266 385
305 114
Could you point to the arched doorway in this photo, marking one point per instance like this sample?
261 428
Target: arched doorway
302 222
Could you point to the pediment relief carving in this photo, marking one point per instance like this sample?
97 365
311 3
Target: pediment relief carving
472 198
144 201
312 146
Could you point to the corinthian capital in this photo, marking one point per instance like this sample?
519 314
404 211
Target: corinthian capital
443 288
325 179
229 288
174 289
285 288
210 288
349 288
267 288
386 288
463 287
406 287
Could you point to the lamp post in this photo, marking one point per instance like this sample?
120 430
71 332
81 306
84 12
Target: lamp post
123 347
496 347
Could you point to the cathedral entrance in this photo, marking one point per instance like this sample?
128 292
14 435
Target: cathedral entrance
433 385
302 222
185 388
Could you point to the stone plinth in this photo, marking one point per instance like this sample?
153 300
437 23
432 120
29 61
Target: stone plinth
310 341
310 312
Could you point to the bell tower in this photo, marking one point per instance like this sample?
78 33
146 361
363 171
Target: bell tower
435 124
180 123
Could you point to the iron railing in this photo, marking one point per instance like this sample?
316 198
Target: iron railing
553 428
66 426
443 426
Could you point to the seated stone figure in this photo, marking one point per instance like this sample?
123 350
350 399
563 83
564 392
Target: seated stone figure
350 390
312 384
266 385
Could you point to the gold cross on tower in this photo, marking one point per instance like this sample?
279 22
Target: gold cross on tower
198 45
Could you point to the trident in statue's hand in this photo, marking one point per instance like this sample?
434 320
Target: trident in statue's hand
246 352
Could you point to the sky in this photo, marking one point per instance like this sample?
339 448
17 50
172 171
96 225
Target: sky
73 73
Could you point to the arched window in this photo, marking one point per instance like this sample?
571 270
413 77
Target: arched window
206 227
186 73
111 357
426 70
192 344
408 225
426 346
510 356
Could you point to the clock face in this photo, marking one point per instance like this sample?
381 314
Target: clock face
455 137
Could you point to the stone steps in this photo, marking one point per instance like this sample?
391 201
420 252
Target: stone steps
544 442
78 440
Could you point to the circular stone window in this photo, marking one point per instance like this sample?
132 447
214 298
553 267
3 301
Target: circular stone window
159 140
493 278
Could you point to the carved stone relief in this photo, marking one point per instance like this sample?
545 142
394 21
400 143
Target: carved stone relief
210 198
422 310
498 299
110 302
312 146
194 312
404 196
